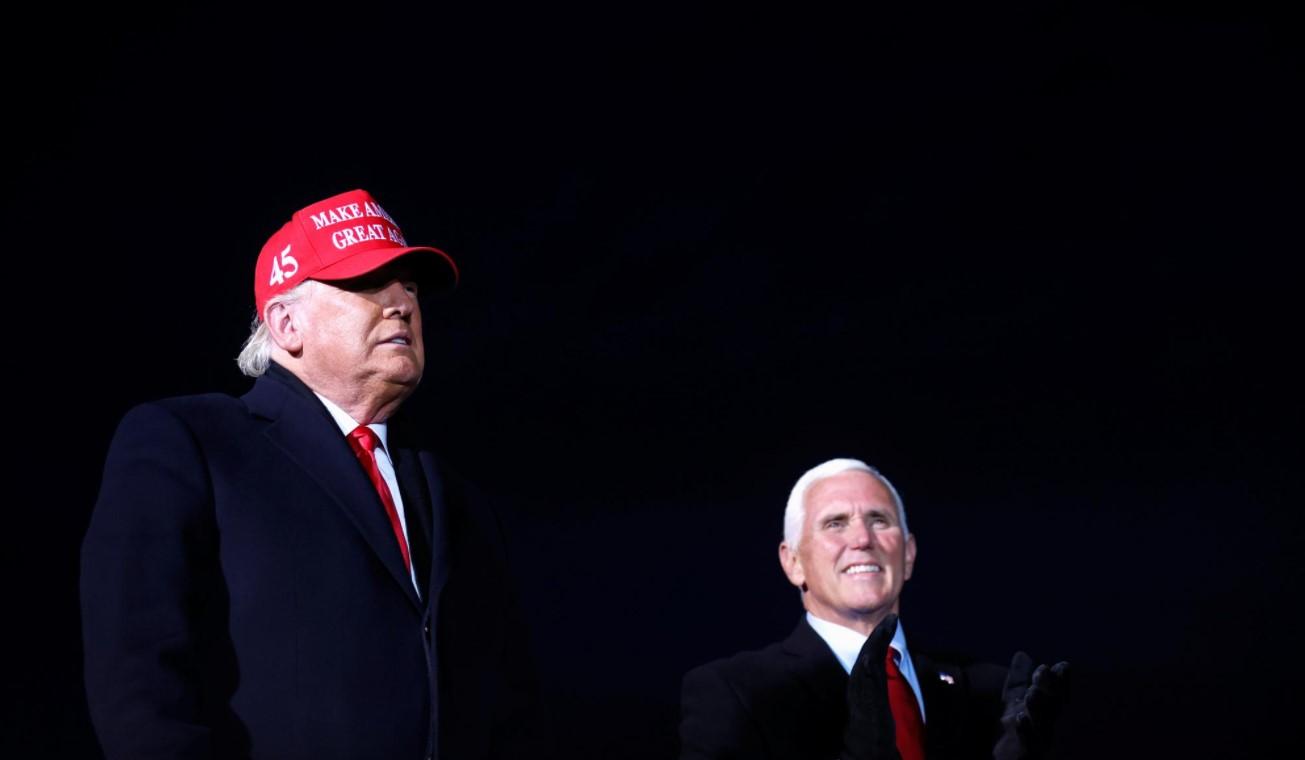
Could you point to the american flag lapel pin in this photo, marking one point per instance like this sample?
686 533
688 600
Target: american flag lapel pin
946 678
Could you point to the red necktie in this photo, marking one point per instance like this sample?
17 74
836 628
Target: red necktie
364 442
906 712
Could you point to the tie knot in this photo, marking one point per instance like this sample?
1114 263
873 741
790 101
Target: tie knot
365 437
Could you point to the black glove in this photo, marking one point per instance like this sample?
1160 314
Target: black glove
1031 707
870 733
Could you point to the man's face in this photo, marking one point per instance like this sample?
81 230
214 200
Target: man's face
852 555
363 336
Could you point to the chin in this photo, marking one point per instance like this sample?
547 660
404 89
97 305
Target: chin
406 381
871 606
405 373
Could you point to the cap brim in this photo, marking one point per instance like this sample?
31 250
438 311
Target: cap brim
435 270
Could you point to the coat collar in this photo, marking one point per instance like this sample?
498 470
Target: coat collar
815 666
305 432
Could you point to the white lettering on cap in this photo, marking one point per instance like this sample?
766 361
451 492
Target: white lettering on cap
372 208
360 233
286 261
337 215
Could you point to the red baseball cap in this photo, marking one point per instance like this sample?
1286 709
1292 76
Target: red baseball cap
344 236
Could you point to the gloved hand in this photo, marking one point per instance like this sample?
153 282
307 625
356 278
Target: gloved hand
1031 707
870 733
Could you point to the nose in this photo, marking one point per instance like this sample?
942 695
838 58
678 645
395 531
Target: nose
400 300
860 534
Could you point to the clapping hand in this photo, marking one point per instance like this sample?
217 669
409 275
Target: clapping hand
870 733
1031 706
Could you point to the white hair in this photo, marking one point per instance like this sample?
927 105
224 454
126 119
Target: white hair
795 513
256 354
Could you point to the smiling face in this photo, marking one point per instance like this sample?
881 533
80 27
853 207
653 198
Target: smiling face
852 559
361 341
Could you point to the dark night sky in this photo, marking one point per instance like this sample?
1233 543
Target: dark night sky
1032 262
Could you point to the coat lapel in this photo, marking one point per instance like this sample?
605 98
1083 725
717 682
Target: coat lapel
417 505
816 667
302 428
438 512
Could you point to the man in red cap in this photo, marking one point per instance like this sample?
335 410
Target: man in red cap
285 574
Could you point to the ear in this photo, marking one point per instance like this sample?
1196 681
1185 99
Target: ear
910 556
792 564
282 322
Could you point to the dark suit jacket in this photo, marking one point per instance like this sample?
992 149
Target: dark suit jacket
243 594
789 701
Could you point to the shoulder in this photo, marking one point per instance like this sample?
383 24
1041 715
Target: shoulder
156 477
783 700
740 669
799 668
170 425
718 715
801 656
157 437
194 412
738 684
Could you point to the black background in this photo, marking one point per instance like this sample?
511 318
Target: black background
1035 262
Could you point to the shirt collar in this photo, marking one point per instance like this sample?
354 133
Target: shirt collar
846 643
347 423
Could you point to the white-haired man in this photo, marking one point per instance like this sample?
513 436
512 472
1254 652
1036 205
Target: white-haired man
845 684
286 574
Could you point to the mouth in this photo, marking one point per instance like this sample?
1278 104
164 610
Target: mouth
399 340
862 568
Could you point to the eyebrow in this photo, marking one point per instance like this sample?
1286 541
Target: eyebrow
844 514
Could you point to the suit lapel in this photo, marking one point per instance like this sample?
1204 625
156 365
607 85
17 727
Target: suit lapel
304 431
439 513
816 667
416 492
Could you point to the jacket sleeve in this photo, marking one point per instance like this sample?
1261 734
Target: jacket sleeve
714 723
148 568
